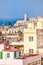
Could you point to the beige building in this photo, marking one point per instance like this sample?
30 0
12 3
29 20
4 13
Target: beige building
33 36
30 39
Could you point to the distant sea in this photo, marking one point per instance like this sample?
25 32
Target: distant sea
4 21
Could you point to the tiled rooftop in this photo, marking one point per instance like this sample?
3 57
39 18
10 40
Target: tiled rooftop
26 56
11 50
1 42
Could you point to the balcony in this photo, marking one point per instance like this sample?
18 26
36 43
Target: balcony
17 43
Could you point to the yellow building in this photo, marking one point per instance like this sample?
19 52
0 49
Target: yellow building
33 40
30 38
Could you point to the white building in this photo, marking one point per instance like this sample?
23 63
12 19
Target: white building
25 60
12 53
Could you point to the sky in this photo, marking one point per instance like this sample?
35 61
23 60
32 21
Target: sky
17 8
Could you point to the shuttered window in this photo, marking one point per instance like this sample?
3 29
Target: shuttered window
30 38
14 54
30 51
8 55
1 54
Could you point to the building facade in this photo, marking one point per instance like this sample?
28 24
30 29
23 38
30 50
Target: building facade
33 37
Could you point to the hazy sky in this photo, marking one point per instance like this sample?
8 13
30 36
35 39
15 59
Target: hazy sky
16 8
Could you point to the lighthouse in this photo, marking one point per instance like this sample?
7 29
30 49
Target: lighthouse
25 16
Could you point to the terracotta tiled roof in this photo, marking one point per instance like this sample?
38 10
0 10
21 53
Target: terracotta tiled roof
3 42
11 50
26 56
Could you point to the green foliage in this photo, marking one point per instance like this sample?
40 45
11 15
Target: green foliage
9 23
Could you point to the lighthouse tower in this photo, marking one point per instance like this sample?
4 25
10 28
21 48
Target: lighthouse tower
25 16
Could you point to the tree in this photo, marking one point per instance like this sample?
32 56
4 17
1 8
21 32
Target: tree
9 23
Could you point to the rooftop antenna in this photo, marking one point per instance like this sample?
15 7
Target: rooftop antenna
25 16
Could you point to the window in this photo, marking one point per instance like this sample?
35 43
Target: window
30 51
14 54
8 55
35 24
30 38
19 53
